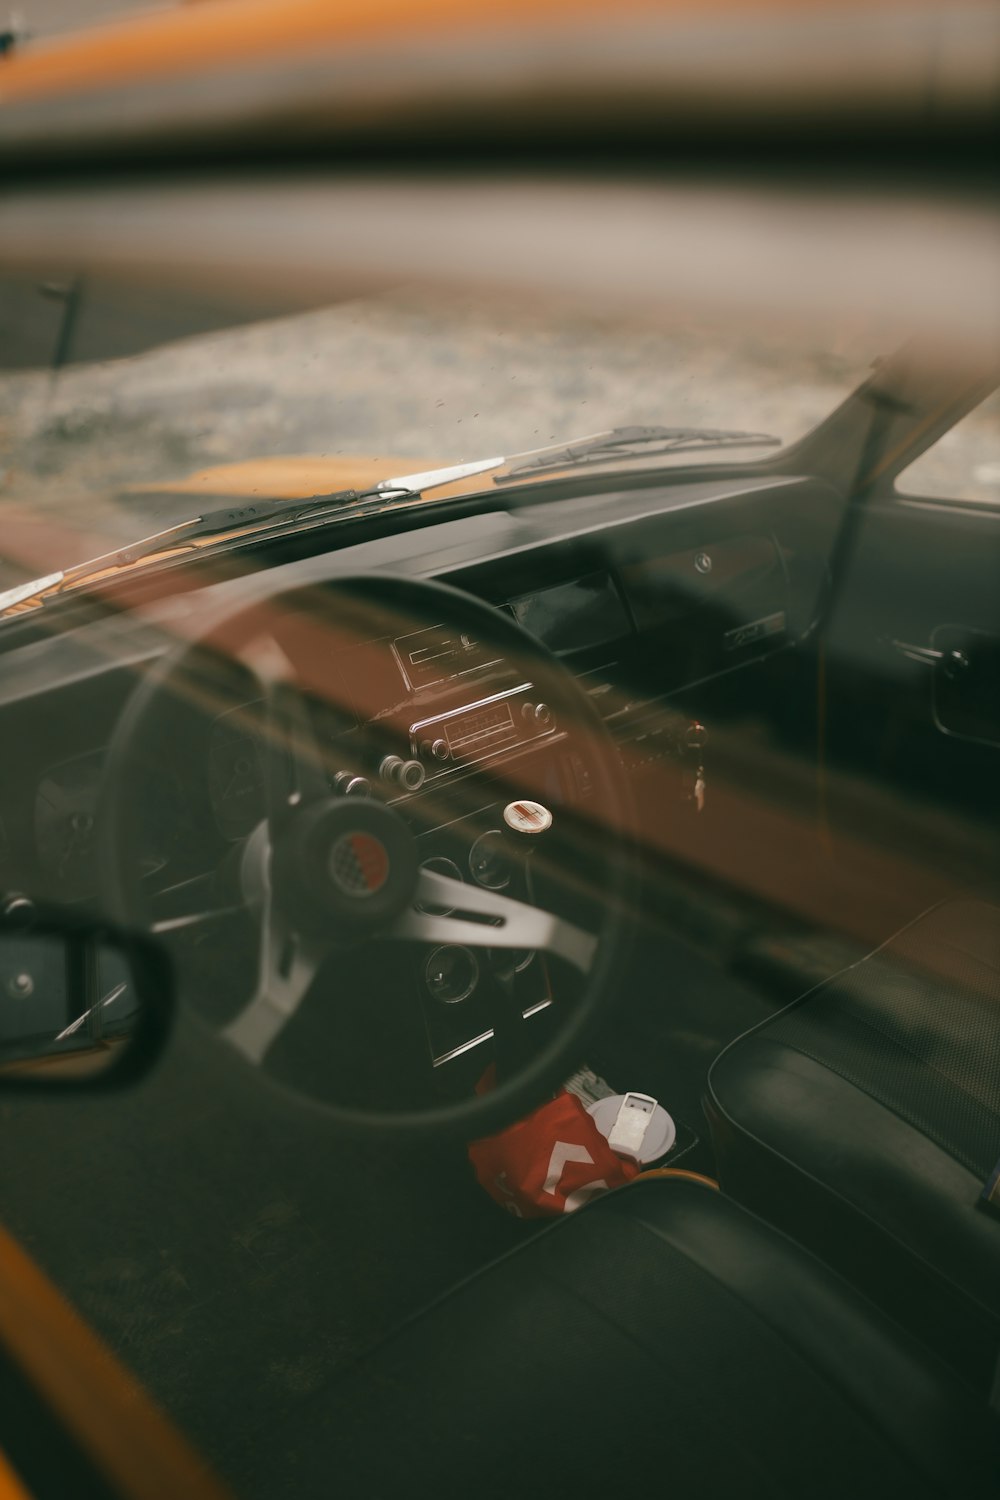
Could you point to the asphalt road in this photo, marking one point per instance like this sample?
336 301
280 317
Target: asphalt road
396 376
394 380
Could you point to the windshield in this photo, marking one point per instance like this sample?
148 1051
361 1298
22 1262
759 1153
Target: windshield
373 896
101 450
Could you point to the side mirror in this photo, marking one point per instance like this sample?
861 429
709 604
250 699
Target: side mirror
82 1003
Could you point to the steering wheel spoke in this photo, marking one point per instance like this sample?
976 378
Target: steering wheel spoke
185 921
288 964
190 904
484 919
295 769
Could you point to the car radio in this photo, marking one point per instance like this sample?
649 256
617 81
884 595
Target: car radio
463 736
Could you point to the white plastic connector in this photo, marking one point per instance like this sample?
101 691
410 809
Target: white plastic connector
633 1120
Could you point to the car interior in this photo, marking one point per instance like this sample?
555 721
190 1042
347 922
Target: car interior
663 757
709 688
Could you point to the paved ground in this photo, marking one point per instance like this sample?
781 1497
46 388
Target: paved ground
396 378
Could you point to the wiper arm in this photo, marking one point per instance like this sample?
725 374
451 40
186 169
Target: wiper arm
631 442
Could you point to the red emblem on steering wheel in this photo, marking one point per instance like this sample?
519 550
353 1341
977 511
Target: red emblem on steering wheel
359 864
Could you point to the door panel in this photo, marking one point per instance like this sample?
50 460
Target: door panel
919 727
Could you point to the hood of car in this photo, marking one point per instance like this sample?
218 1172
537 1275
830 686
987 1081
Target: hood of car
297 476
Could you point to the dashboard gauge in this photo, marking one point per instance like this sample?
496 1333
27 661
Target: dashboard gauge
65 811
442 866
451 974
489 861
506 962
236 775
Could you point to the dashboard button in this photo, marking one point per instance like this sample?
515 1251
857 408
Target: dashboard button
408 774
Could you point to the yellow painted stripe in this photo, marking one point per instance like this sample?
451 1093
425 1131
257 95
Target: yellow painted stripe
11 1487
97 1400
197 38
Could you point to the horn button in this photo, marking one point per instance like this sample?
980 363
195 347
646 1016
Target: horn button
344 868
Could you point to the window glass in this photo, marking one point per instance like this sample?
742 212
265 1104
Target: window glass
962 465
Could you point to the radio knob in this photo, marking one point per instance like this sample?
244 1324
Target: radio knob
356 786
542 715
439 750
408 774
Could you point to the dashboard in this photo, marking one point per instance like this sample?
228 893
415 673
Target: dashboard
656 599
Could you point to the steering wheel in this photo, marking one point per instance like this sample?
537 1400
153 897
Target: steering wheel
324 876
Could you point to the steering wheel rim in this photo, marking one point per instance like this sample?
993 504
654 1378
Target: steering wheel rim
479 1114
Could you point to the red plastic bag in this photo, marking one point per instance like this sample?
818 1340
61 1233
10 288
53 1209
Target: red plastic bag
552 1162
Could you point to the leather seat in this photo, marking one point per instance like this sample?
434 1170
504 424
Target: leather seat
662 1341
865 1121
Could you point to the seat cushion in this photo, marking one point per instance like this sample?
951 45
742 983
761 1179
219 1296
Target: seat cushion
865 1120
661 1337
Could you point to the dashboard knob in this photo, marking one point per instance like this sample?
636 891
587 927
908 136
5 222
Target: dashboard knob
18 910
526 821
538 714
350 785
408 774
440 750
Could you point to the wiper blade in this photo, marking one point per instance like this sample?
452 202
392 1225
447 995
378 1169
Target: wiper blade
186 534
252 518
631 442
218 523
245 517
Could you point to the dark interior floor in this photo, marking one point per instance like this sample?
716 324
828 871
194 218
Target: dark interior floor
236 1251
677 1010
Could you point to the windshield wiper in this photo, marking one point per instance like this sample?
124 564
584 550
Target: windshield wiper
630 442
186 535
253 518
266 517
338 503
